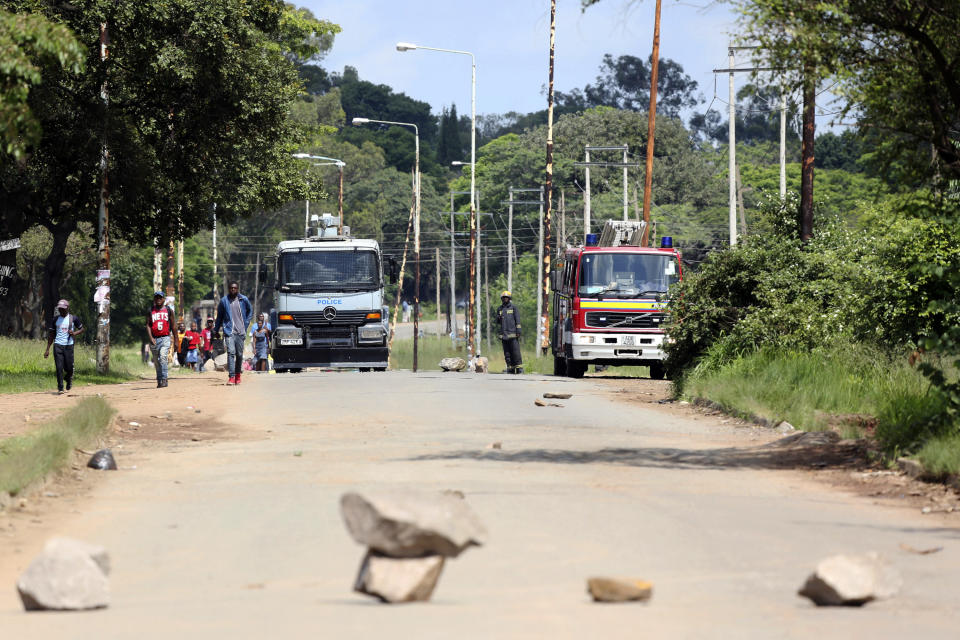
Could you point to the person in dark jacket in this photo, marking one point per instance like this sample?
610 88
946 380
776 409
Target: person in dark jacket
508 317
64 328
234 314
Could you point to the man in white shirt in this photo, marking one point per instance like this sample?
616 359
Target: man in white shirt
62 331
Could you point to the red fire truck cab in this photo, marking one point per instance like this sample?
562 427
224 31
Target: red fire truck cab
610 304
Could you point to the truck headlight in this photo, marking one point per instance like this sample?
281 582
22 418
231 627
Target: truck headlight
288 336
370 333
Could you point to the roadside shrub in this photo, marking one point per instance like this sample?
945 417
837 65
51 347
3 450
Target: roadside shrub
907 421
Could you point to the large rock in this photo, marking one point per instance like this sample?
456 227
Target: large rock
220 362
481 365
619 589
851 580
408 525
398 579
67 575
453 364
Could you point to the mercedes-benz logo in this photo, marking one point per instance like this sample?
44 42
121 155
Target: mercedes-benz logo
329 313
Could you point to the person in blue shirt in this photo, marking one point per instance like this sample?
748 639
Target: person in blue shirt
234 314
62 331
260 331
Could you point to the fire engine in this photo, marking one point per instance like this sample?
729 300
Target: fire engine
610 301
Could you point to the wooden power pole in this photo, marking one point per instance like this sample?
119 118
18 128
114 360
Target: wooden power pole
545 290
103 234
651 125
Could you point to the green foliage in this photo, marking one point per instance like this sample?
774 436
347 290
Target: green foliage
28 42
940 456
30 457
23 367
862 284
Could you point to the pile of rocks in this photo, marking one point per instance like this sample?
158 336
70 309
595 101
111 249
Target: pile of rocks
408 538
68 575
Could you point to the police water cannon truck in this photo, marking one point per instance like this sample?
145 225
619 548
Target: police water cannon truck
328 302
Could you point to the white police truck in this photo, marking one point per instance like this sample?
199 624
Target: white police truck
328 302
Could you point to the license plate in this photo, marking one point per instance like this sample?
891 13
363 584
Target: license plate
291 341
628 340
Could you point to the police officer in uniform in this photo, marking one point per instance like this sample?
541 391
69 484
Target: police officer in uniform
508 316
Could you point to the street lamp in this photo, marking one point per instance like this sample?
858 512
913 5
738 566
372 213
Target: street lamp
340 164
416 231
474 254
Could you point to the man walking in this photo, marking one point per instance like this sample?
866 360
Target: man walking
64 328
159 329
234 314
508 316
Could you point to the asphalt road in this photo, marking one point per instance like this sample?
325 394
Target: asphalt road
242 538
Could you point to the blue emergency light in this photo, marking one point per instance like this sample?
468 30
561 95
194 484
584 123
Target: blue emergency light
666 242
592 240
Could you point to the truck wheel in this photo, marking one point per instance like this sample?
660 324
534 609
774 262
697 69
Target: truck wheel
559 366
576 369
364 369
280 370
656 371
379 368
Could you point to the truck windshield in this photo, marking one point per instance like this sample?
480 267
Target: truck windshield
335 270
627 275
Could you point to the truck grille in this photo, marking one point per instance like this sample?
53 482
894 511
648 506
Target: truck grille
316 318
330 336
621 320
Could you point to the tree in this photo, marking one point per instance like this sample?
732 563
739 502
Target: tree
624 83
198 114
894 64
29 42
449 147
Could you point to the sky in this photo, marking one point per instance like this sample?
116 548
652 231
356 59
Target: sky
510 40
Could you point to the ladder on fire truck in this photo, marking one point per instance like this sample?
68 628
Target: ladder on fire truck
617 233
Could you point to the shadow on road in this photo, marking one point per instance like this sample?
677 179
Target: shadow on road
772 456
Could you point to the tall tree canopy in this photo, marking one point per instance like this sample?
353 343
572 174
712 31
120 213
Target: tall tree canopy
199 96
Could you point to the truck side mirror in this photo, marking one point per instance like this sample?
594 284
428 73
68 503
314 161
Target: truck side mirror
555 279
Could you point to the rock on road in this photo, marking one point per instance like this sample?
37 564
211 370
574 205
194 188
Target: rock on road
242 538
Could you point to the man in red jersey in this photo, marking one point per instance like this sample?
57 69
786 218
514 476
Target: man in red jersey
160 329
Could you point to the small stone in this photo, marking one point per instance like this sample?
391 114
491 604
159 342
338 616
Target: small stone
66 576
196 411
396 580
619 589
539 402
851 580
453 364
134 424
481 365
405 525
785 427
926 510
495 445
558 396
102 460
51 494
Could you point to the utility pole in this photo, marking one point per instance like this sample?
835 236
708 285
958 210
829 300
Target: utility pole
216 298
783 143
256 288
651 128
475 281
510 241
625 178
180 280
437 261
563 218
453 277
103 228
586 196
403 266
806 153
157 265
486 290
546 216
732 136
171 270
732 155
540 253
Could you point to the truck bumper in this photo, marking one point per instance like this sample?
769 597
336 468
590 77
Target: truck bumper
615 348
333 357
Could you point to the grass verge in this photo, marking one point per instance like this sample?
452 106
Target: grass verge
859 389
23 367
32 456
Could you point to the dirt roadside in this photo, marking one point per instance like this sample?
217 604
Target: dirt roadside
846 465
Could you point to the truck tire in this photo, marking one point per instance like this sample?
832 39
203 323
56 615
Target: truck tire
656 371
379 368
576 369
281 370
559 366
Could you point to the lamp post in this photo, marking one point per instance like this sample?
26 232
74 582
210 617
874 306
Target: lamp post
474 254
340 164
416 227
